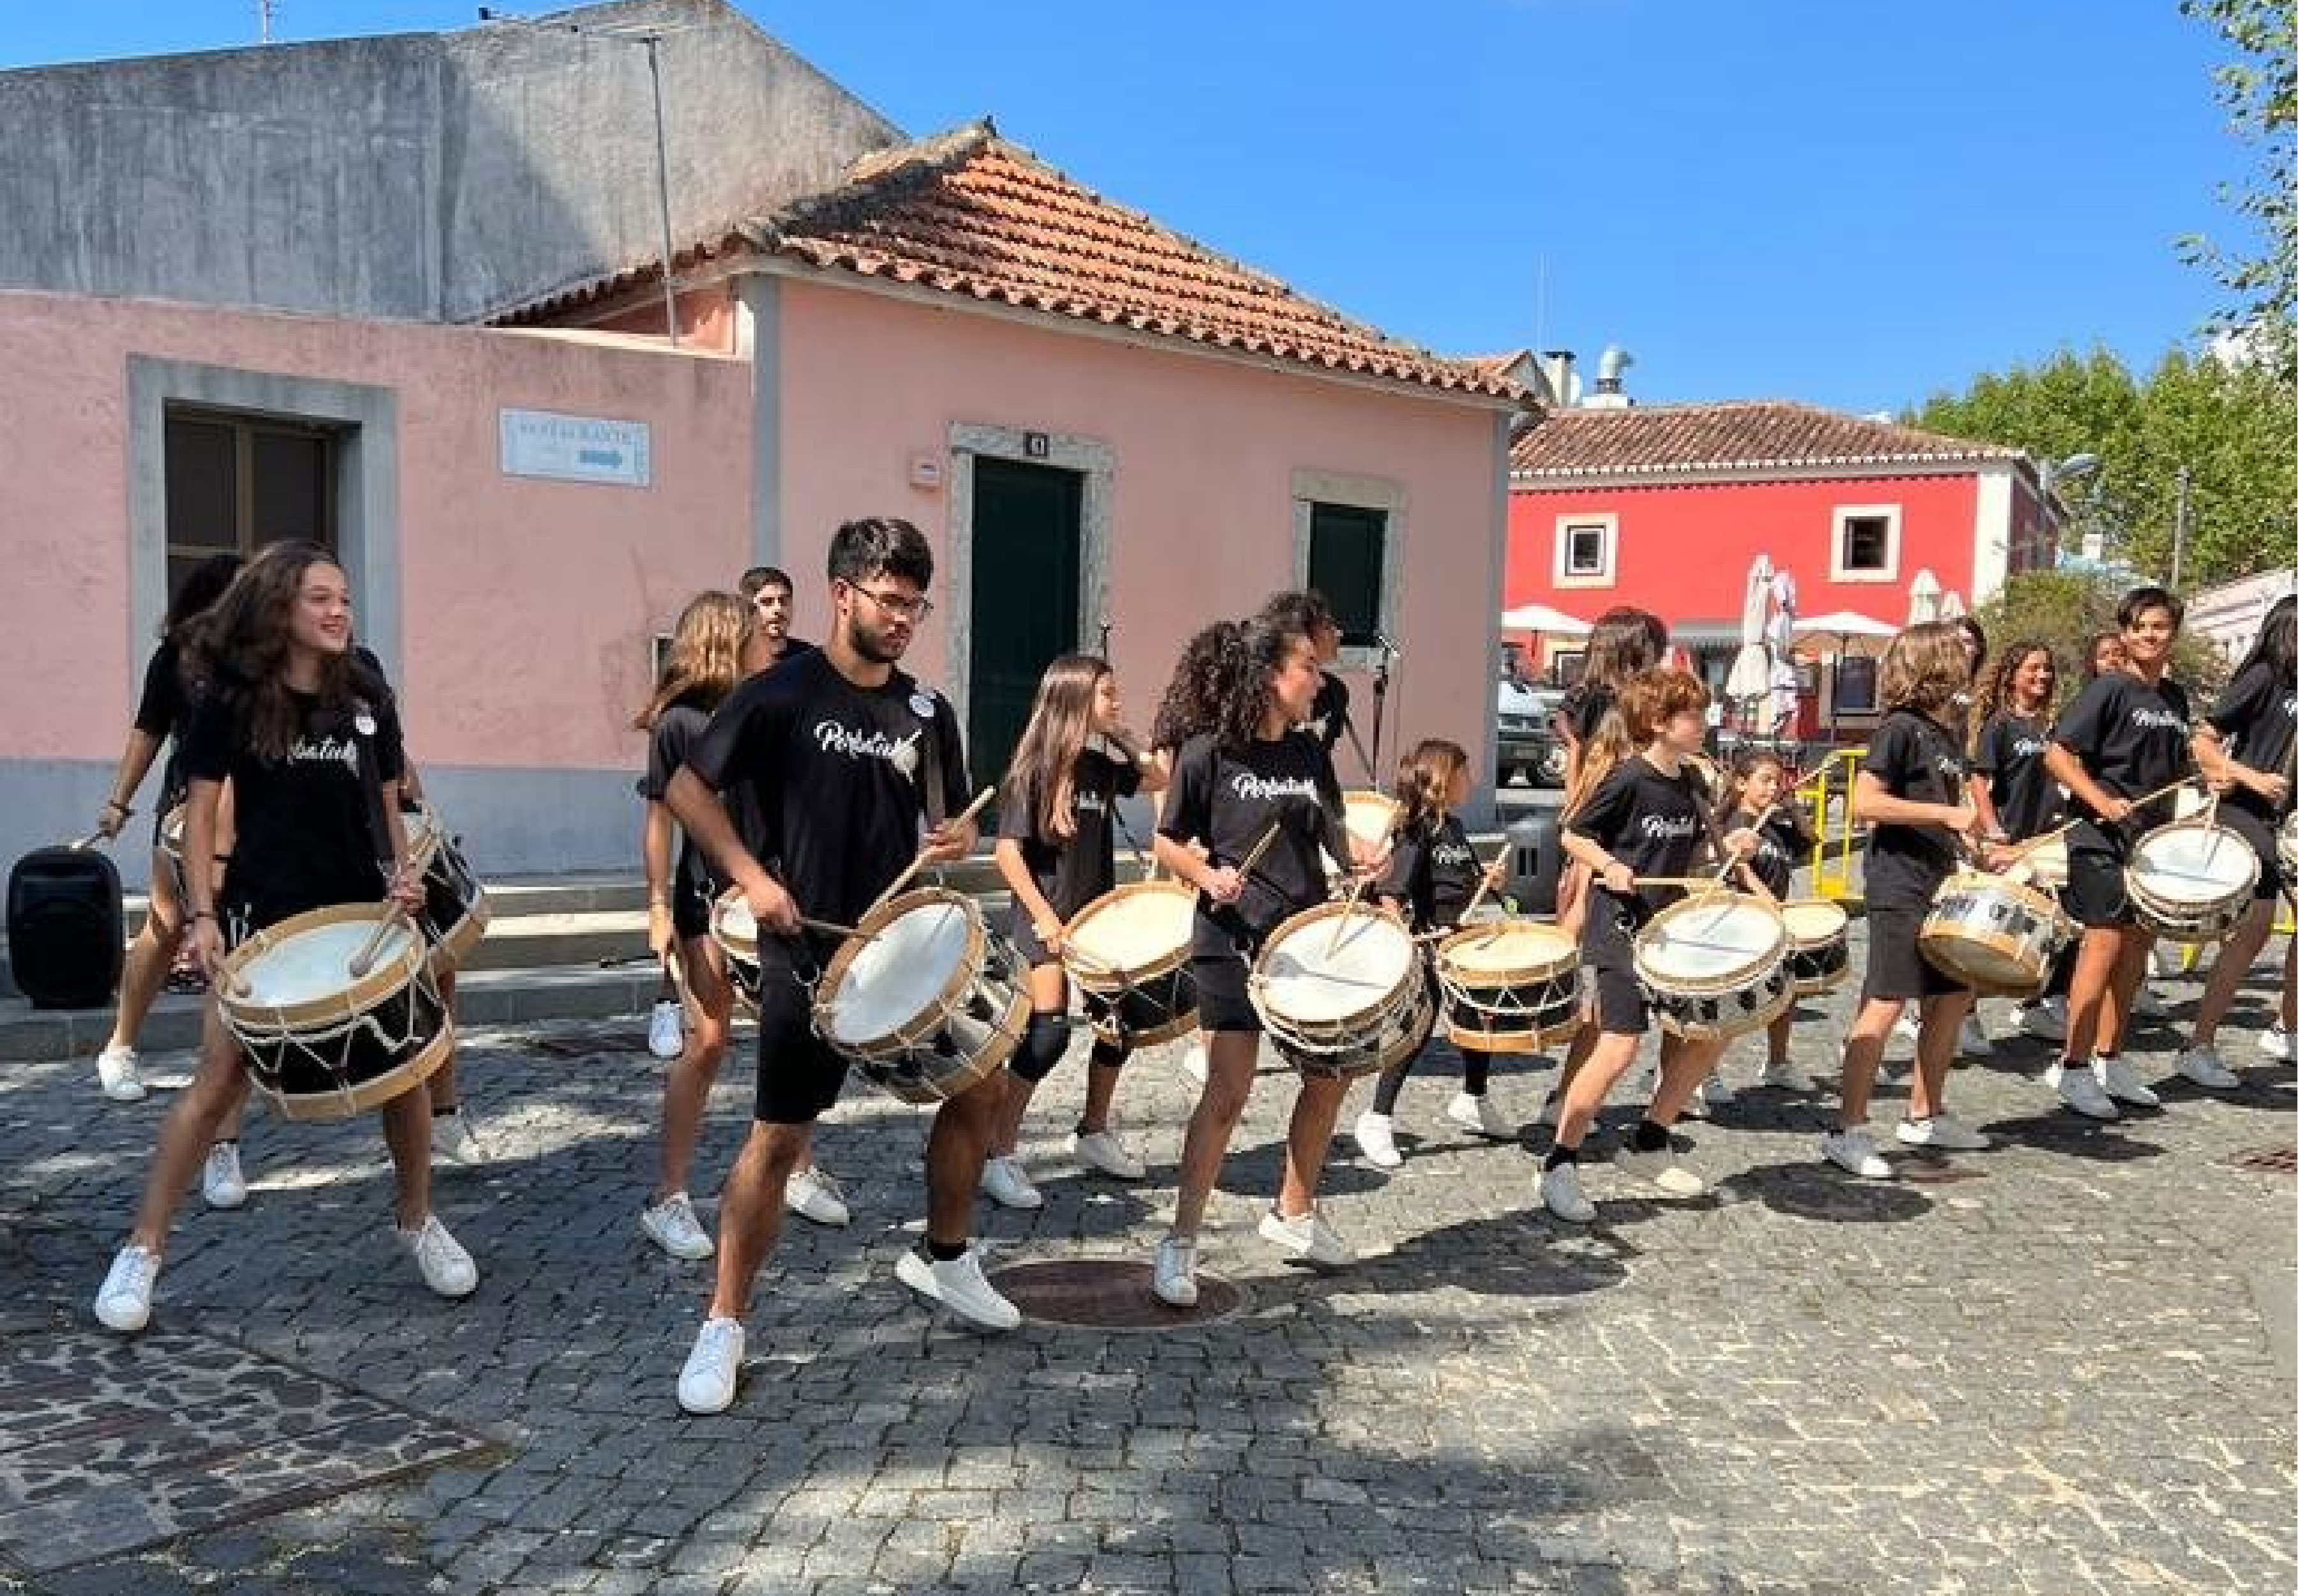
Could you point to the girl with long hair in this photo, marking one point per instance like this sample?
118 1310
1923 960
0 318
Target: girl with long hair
2244 747
1910 793
702 667
1646 816
1432 874
2014 795
1757 791
307 734
1056 849
1248 782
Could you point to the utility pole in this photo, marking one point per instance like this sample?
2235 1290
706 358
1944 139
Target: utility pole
263 9
2178 526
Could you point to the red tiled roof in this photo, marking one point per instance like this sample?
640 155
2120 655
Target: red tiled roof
1666 440
970 215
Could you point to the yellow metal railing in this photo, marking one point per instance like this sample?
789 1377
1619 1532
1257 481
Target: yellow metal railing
1831 856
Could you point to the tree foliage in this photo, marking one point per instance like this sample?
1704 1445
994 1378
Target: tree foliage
2065 609
2258 89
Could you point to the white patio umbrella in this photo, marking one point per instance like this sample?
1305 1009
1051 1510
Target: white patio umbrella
1951 607
1750 676
1538 617
1924 598
1853 632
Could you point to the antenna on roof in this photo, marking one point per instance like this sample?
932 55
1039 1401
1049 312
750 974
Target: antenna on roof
263 11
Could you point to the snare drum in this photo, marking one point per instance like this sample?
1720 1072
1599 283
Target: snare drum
319 1044
2047 864
927 1001
2191 881
1715 965
455 912
735 930
1993 934
1509 987
1129 952
1339 989
1818 945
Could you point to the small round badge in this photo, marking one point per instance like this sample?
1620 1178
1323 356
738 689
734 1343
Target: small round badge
922 705
364 723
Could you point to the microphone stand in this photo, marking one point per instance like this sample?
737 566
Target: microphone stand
1380 696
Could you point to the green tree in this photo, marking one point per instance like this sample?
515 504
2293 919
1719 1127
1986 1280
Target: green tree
2258 89
2065 609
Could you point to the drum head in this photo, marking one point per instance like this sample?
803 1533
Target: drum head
1518 946
312 964
420 825
2193 865
1811 919
732 923
1309 975
1369 815
1136 927
902 971
1705 943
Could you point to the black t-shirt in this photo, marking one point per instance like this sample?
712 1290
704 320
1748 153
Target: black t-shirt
676 730
1781 843
1655 824
306 824
1583 710
1915 758
1433 871
1227 798
1074 871
2257 715
2011 749
843 776
1328 715
160 712
2131 738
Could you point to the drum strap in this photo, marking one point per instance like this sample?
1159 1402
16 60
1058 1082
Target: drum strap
378 830
929 770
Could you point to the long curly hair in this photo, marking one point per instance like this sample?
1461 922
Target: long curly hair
1995 694
1423 782
239 647
1044 772
1204 678
704 660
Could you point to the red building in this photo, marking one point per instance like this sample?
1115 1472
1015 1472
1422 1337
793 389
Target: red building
1666 507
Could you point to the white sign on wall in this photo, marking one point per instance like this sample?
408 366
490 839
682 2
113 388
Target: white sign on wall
577 447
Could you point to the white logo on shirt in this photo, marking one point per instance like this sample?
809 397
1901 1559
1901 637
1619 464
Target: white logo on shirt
1452 853
2026 747
1250 787
2158 720
838 738
325 750
1089 803
1665 828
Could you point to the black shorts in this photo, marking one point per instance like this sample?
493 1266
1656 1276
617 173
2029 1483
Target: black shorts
2095 895
1023 935
1609 948
2258 831
690 903
1222 1003
800 1074
1897 969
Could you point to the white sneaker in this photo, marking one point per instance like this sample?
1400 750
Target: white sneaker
1944 1132
666 1030
2204 1068
1375 1137
447 1269
1853 1152
1781 1075
115 1073
1715 1092
1106 1150
2045 1020
1477 1111
671 1226
1007 1184
813 1193
1308 1236
1560 1195
220 1181
1175 1278
1658 1168
124 1300
454 1142
706 1383
2081 1093
1970 1041
2275 1042
1192 1063
959 1286
2116 1080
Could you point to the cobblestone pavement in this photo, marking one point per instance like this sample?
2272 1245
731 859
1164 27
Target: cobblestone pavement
2062 1367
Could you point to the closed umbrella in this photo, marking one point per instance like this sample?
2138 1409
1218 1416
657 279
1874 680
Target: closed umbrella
1951 607
1924 598
1751 668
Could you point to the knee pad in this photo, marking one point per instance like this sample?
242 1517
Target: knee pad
1042 1047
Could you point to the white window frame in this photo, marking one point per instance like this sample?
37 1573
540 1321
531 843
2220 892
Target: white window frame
1562 573
1839 523
1311 488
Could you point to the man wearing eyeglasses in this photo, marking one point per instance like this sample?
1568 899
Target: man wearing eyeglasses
849 757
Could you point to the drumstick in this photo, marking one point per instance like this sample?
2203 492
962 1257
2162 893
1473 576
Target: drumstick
830 928
1244 866
364 959
980 801
1356 891
2019 850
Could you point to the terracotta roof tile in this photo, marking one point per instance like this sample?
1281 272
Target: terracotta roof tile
1665 439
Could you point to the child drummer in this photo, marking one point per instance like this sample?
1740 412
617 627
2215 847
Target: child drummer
1646 816
1758 799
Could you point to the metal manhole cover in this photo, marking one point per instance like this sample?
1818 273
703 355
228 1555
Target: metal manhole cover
1923 1173
1109 1294
2268 1161
109 1445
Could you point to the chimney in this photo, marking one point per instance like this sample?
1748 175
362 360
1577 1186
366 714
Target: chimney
1557 364
1610 394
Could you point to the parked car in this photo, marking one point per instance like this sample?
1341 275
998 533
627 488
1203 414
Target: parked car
1528 744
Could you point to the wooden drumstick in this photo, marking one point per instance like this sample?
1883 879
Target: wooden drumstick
371 949
830 928
979 803
1356 890
2026 846
1245 865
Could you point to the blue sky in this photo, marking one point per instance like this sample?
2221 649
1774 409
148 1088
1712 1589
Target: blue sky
1841 201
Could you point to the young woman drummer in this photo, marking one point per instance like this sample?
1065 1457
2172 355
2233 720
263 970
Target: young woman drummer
1433 873
2016 795
1757 791
2244 746
2124 739
1647 816
1056 848
1260 794
704 663
308 737
1911 796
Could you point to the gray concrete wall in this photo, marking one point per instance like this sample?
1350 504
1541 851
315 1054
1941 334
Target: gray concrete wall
421 177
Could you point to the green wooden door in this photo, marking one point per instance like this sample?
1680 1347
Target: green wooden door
1027 561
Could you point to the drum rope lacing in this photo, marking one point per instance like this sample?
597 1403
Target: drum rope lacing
304 1041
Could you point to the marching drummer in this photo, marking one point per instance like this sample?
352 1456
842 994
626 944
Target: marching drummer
2244 744
1056 848
1260 795
308 736
2125 740
1431 879
1646 815
1756 797
2016 795
704 662
850 758
1910 793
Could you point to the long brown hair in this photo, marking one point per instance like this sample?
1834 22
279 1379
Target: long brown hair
239 647
1996 693
704 660
1044 772
1924 667
1424 780
1204 679
1646 702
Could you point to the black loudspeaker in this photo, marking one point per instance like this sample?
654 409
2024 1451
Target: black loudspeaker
65 935
1535 861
